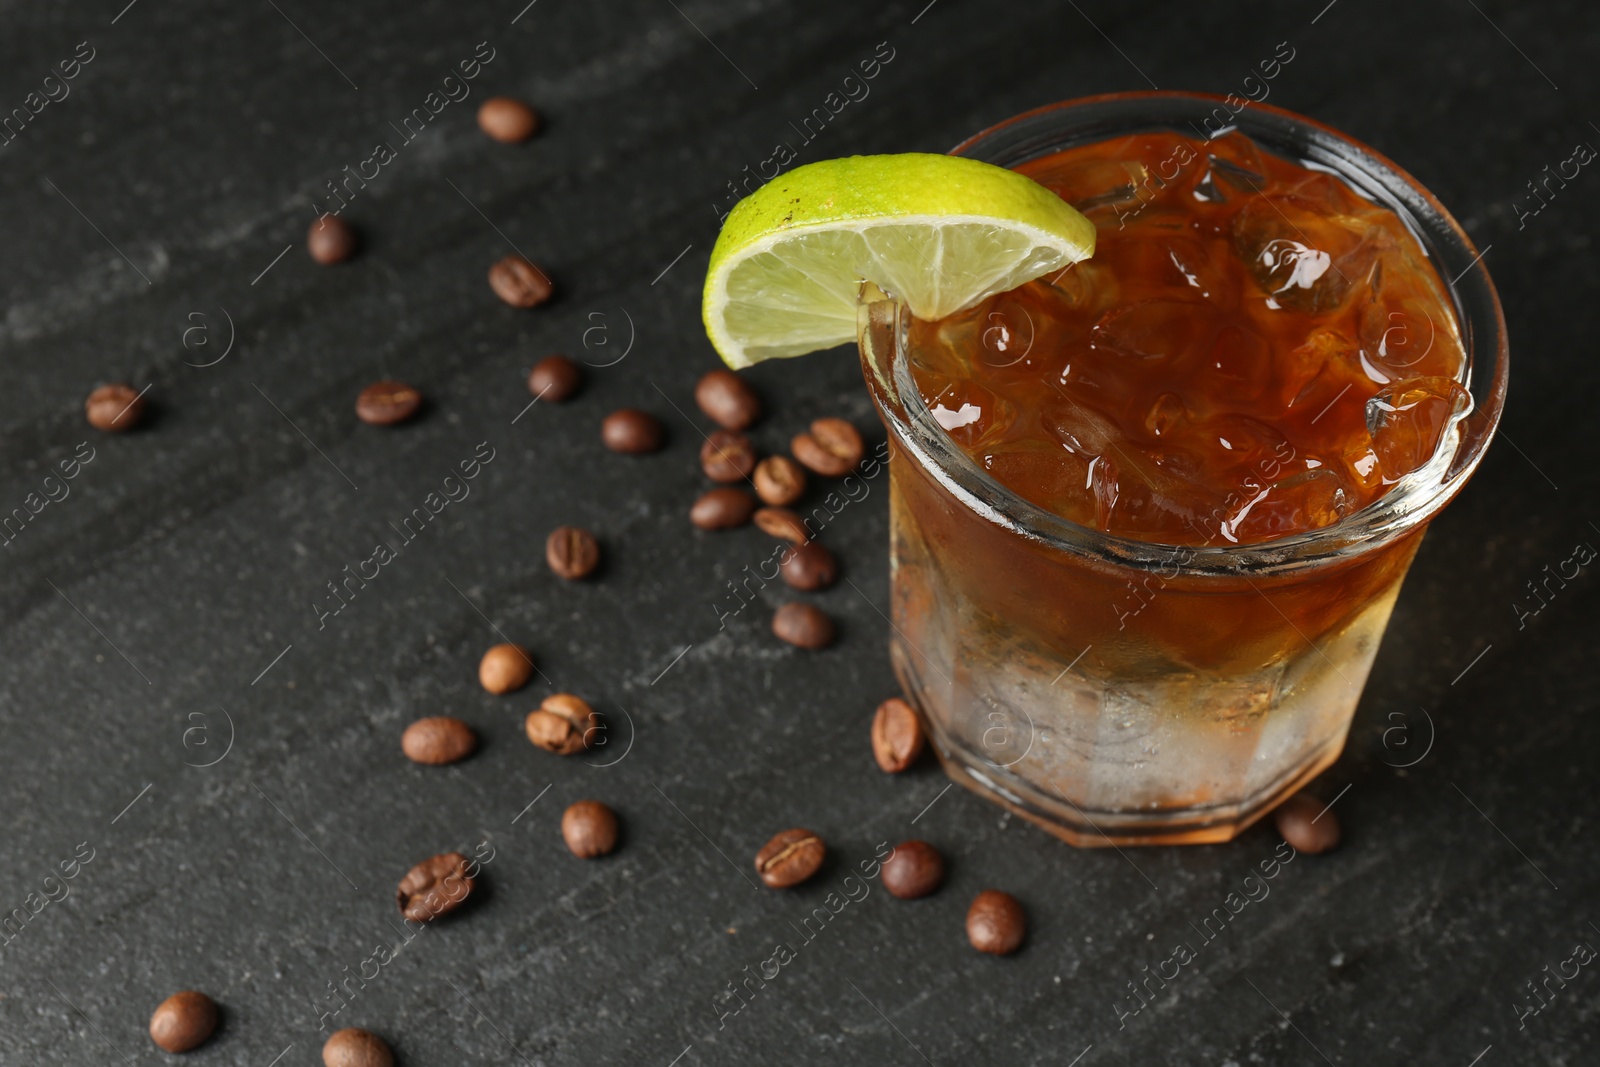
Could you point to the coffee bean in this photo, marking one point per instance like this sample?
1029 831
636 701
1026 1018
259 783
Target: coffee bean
914 869
782 523
183 1021
790 858
996 923
809 566
632 431
803 625
356 1048
727 400
721 509
896 735
507 120
504 668
589 829
331 240
554 379
436 886
387 403
780 481
438 739
572 553
727 456
563 724
832 447
114 408
519 283
1307 824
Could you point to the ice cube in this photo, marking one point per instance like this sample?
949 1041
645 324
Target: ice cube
1046 474
1007 332
1286 264
1238 441
1133 493
1234 160
1166 416
953 339
1401 339
1086 287
1154 329
1321 346
1105 489
1307 500
1094 183
1152 505
1408 420
1205 190
1082 429
1153 495
1323 373
1020 339
1227 177
1361 463
1232 167
1302 257
1242 363
1327 191
969 413
1200 266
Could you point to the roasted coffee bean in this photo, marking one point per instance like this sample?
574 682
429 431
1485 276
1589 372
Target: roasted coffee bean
114 408
790 858
356 1048
727 400
563 724
504 669
183 1021
780 481
438 739
722 508
632 431
832 447
809 566
803 625
554 379
572 553
896 735
436 886
331 240
519 283
914 869
996 923
507 120
782 523
387 403
727 456
589 829
1307 824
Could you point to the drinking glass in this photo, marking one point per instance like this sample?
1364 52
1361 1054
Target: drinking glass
1117 691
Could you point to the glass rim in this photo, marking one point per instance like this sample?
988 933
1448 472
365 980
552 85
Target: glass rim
1406 506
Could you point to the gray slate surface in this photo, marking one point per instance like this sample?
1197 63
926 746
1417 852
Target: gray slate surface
140 612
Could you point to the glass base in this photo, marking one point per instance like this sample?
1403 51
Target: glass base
1018 786
1190 826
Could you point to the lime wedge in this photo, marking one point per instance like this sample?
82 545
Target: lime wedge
939 232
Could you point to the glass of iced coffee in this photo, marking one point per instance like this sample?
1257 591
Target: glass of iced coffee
1149 514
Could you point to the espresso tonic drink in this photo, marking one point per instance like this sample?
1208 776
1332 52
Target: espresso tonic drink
1150 513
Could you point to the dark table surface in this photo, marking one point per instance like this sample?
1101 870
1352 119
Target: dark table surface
172 706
